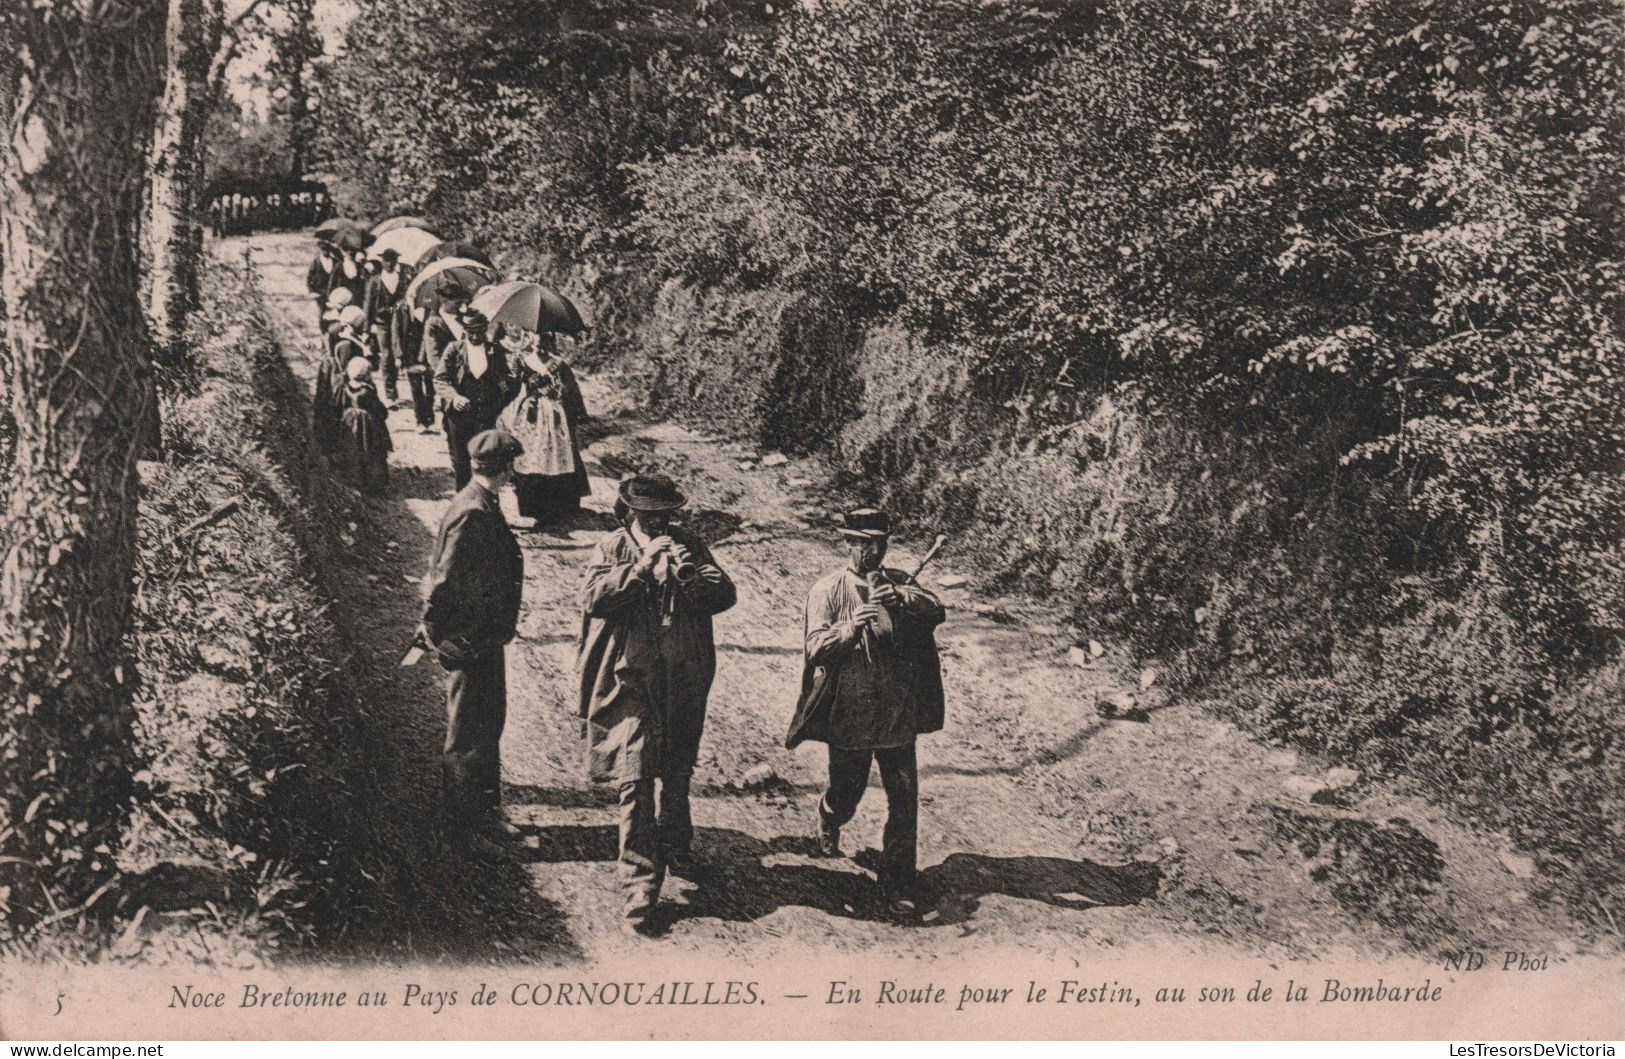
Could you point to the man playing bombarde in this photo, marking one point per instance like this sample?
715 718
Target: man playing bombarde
645 663
871 684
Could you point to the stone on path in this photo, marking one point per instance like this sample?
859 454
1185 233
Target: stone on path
1338 778
1518 864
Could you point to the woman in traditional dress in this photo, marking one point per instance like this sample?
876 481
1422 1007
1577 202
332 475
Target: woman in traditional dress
549 476
345 341
364 429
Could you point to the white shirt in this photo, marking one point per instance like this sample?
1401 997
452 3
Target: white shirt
478 362
392 280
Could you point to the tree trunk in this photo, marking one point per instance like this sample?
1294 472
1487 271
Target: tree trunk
76 109
170 278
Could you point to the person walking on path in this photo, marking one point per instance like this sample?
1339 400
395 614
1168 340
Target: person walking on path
365 443
475 384
871 684
443 325
321 279
407 332
385 285
472 596
644 664
550 478
343 343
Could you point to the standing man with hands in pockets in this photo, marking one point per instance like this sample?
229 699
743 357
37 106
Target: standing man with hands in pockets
871 684
471 612
645 663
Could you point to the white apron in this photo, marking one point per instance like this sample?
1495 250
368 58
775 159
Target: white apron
539 424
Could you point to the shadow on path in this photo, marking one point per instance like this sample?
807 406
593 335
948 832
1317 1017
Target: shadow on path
738 885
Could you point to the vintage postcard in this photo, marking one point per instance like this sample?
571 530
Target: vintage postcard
735 519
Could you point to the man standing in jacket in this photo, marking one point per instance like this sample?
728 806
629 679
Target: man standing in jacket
475 384
385 285
473 592
871 684
319 277
408 333
645 663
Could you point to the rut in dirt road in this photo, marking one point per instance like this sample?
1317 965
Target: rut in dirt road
1044 825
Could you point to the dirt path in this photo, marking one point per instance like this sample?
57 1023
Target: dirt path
1043 826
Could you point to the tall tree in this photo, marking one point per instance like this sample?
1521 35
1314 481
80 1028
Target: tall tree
77 89
201 38
291 70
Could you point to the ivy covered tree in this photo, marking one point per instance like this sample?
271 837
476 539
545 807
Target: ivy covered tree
77 91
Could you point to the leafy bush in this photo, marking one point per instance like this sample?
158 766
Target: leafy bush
1280 340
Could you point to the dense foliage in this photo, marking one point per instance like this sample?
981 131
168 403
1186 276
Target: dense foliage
1281 339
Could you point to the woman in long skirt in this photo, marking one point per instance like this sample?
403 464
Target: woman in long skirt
365 443
549 477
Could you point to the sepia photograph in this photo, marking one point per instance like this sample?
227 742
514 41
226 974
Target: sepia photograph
812 519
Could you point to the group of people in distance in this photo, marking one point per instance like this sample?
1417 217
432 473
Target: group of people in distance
274 207
478 374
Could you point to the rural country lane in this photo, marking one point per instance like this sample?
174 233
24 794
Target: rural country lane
1044 827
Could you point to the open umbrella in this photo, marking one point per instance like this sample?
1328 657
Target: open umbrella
403 221
350 239
329 229
410 243
530 306
458 249
430 287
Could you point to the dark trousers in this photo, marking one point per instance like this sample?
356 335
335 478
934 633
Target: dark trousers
471 765
899 774
383 341
422 384
460 430
650 828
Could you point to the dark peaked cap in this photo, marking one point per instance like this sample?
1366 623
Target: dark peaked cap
494 449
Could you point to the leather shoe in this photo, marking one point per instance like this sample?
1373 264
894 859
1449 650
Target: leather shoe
827 838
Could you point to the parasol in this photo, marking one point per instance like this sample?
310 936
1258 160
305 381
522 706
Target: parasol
330 229
429 289
458 249
396 223
530 306
410 243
